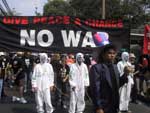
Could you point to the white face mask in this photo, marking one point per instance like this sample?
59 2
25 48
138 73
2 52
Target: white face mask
79 58
125 56
43 58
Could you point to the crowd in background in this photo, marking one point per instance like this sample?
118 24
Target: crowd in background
16 70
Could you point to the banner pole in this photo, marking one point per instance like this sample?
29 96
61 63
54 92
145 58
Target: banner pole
103 9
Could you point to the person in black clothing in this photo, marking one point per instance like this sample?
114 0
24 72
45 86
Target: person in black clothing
18 76
105 81
55 61
64 74
143 64
28 68
3 74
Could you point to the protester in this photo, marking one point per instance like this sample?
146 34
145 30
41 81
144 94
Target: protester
78 79
55 61
4 63
28 68
64 73
125 90
70 59
42 82
134 91
18 77
144 72
105 81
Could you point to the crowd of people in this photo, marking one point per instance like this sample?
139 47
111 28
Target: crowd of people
111 82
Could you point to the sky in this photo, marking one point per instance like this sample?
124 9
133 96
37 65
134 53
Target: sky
26 7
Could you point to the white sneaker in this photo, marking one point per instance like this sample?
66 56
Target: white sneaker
64 106
22 100
25 90
51 111
14 98
142 93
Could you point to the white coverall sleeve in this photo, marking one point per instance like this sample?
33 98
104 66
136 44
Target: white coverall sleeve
71 77
120 68
33 79
51 78
86 76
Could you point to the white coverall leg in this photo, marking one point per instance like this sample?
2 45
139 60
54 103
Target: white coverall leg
41 97
73 102
77 100
125 92
81 102
47 100
39 101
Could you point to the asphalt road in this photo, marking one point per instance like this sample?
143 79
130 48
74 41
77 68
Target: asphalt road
6 106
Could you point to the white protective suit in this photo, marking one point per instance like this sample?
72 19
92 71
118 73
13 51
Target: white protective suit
125 90
79 79
42 80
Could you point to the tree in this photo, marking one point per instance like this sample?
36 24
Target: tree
86 8
129 10
58 7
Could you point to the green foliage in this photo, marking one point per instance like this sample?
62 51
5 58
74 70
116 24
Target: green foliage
130 10
58 7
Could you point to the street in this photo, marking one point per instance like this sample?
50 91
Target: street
8 107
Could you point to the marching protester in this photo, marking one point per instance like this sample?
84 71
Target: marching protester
64 73
28 68
105 81
144 71
78 79
18 77
125 90
42 83
134 91
4 63
55 61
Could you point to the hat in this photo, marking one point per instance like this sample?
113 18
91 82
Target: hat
132 55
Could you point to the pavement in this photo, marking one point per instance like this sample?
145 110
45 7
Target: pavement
7 106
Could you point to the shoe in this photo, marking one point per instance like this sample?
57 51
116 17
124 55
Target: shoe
25 90
123 111
51 111
129 111
14 99
22 100
64 106
142 94
134 102
11 86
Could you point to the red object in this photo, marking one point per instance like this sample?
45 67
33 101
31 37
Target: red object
146 41
145 62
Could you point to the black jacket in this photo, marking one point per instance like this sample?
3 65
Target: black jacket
101 87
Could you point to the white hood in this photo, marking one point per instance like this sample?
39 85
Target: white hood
43 58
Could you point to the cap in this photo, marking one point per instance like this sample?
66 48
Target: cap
132 55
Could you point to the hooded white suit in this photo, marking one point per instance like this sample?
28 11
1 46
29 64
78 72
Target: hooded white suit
79 78
125 90
42 80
